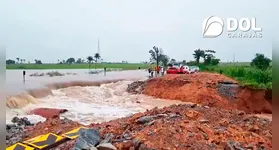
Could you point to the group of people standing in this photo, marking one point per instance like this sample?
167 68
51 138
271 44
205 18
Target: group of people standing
158 69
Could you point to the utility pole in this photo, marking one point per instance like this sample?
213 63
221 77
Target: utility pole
99 47
233 57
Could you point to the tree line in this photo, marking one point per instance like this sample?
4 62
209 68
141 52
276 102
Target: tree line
207 55
158 57
90 60
69 61
19 61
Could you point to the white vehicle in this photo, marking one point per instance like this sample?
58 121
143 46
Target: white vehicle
187 69
194 69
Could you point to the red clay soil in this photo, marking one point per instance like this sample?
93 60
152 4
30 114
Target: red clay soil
47 112
184 127
256 100
179 127
53 125
201 88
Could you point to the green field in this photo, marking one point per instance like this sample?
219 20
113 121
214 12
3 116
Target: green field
242 72
245 74
234 64
124 66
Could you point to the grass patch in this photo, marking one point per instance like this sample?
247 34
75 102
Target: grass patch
246 75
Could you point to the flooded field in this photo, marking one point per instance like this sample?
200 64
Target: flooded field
15 84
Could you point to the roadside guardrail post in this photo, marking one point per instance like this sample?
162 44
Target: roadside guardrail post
23 76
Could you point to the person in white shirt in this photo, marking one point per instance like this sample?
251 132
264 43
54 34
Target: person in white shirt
162 70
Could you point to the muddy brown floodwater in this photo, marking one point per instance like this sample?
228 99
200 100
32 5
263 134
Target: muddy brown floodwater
101 98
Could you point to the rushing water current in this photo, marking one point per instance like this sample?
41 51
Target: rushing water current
85 104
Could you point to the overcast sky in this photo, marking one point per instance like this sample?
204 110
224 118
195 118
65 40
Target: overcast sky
58 29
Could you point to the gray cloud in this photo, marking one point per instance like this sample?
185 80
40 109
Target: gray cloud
51 30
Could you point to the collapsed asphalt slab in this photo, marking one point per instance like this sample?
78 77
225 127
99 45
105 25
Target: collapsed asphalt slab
15 132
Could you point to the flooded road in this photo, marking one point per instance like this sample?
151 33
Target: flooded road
15 84
85 104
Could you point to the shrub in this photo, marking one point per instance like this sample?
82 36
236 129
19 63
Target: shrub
261 62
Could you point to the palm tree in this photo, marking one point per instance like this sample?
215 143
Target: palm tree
198 54
90 59
17 60
23 60
97 57
208 56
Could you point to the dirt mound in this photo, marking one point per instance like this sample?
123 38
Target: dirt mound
178 127
189 127
205 89
197 88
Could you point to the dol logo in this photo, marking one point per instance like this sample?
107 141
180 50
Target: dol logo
214 26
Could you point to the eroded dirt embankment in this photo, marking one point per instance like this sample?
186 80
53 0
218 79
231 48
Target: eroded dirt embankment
176 127
255 100
203 89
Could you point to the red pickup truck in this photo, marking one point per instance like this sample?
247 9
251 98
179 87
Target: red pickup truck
178 70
